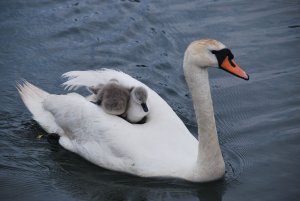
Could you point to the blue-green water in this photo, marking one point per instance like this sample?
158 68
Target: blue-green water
258 121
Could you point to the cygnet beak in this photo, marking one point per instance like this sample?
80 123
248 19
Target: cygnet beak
145 107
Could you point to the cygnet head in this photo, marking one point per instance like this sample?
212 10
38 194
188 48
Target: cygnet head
112 97
137 106
212 53
139 95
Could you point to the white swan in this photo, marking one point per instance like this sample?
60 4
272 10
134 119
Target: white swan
163 146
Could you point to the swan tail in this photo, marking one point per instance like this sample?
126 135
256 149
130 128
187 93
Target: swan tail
33 98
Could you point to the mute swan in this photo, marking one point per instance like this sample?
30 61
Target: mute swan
163 146
137 107
112 97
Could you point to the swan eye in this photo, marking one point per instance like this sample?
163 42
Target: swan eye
214 51
222 54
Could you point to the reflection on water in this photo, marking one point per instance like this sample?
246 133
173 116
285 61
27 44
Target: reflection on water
257 121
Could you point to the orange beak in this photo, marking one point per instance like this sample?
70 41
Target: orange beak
231 67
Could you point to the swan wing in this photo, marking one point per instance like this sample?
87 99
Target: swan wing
77 79
88 131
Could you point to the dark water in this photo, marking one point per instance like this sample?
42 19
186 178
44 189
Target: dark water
258 121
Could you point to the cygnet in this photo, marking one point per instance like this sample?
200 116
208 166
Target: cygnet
112 97
115 99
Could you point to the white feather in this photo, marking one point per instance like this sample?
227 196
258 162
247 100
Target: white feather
33 98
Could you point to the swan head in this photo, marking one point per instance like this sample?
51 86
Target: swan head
212 53
139 95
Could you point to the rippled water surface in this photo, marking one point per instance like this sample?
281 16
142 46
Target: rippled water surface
258 121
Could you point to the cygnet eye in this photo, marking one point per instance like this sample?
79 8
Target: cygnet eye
98 102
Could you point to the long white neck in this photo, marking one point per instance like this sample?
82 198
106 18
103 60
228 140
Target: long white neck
210 163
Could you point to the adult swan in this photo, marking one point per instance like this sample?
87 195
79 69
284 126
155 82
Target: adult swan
161 147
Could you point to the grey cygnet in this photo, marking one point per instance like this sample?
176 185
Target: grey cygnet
113 97
116 99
